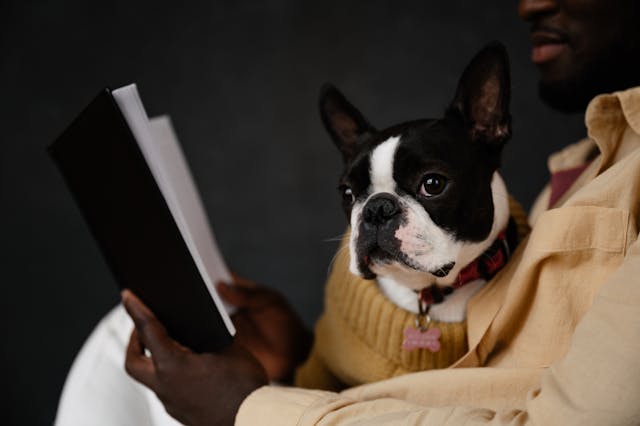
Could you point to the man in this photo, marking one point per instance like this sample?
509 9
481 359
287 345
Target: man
553 339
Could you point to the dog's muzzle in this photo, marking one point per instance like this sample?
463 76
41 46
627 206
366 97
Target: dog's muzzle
381 217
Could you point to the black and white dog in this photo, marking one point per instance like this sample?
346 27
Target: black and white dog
427 207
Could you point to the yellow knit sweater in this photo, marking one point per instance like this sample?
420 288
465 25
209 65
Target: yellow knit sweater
359 336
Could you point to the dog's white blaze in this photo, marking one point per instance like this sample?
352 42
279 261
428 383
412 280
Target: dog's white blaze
355 216
381 175
381 162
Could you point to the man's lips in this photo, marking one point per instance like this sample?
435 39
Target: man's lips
547 52
547 45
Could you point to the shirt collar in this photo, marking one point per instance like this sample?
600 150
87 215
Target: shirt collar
607 117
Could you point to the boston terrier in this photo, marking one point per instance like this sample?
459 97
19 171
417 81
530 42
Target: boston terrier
427 208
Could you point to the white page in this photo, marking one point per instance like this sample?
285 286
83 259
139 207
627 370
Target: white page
162 152
197 231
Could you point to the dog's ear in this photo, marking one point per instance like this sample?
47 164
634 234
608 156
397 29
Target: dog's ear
346 125
482 97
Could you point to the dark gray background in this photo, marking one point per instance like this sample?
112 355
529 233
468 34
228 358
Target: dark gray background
240 81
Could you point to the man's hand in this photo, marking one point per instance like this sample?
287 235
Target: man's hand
268 327
196 389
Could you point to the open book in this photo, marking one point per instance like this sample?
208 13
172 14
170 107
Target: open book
131 181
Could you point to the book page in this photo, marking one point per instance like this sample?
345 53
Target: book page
191 209
162 152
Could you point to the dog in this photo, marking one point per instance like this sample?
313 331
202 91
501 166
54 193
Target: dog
428 210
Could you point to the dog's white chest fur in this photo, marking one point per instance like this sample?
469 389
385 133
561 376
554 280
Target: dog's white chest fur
452 309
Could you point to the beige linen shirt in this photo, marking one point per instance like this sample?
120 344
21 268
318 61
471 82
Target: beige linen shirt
553 340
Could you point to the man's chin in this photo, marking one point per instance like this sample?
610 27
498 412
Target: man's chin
569 85
564 97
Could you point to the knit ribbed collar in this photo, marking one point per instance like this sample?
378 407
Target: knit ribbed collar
379 323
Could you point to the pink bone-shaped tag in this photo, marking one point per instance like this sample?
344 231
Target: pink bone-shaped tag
416 339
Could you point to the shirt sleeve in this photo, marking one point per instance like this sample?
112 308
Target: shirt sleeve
99 392
597 382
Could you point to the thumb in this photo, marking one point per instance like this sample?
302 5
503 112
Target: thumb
151 332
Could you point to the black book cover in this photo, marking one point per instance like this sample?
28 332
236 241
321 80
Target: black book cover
131 221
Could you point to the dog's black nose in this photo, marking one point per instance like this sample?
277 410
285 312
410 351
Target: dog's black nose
379 209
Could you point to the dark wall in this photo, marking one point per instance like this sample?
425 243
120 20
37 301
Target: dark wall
240 81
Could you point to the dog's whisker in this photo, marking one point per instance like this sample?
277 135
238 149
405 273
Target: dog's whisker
335 257
333 239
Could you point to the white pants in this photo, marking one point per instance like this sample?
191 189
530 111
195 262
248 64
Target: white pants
99 392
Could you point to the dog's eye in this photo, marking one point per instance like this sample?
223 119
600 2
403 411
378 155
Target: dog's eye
433 184
347 195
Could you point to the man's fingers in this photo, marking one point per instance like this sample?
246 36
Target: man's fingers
231 295
242 281
245 327
137 364
243 297
150 331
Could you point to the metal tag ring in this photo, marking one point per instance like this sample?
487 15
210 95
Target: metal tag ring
419 323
